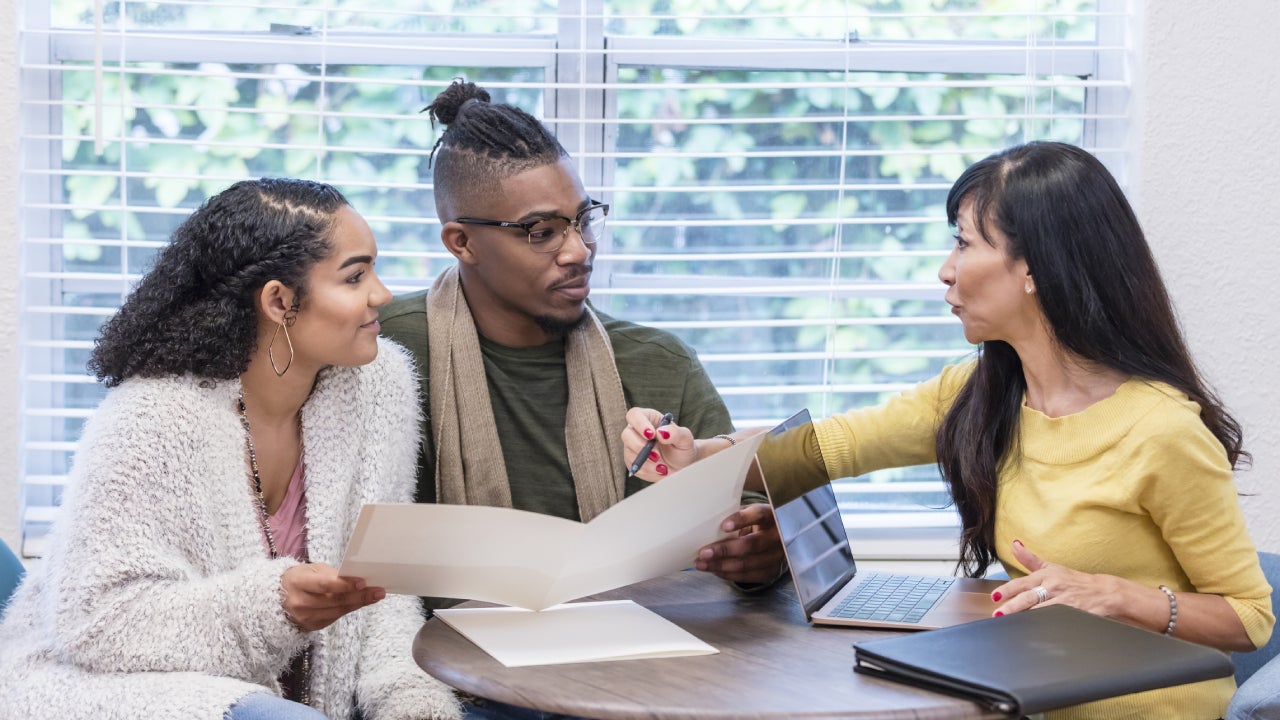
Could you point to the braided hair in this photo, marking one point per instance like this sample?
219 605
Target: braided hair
482 144
194 311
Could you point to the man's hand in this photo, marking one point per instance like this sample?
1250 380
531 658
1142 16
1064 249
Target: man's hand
753 555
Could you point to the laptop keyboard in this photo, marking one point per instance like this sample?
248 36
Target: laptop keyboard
893 598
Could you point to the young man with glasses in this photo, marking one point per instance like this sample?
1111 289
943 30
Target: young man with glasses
524 386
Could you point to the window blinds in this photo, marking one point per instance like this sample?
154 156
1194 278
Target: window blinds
777 172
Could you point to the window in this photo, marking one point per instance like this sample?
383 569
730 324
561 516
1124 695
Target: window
777 176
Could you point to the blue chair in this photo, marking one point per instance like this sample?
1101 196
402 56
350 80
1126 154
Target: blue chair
1247 663
11 572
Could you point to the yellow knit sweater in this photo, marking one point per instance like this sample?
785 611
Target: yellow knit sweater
1134 486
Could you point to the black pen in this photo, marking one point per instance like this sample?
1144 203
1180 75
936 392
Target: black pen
648 447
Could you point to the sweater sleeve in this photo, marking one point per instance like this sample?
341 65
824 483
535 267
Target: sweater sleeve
897 433
136 575
1190 493
391 686
151 620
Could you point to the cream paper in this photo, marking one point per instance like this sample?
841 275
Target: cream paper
535 561
577 632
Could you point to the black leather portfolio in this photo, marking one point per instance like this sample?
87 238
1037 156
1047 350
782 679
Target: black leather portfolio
1038 660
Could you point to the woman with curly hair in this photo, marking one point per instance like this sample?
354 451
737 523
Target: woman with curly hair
253 411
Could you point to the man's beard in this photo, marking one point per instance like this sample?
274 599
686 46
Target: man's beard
557 328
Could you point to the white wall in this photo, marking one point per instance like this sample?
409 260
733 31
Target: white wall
8 272
1208 193
1207 185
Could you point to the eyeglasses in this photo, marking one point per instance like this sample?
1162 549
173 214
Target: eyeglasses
548 235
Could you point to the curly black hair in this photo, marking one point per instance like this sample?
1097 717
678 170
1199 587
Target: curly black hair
194 311
483 143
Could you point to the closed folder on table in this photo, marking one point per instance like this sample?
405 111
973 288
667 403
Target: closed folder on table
1037 660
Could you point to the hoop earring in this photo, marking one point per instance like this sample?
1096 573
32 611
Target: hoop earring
271 356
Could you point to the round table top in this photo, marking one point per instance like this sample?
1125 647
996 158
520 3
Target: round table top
770 664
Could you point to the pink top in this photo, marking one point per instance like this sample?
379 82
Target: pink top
289 522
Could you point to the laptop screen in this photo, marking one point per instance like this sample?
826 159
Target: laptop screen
808 517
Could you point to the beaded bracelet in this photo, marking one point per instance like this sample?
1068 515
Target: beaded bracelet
1173 610
732 442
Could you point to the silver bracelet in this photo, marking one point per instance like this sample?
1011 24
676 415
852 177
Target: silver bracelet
1173 610
732 442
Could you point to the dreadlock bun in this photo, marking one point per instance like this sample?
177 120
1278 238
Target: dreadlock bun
482 144
444 109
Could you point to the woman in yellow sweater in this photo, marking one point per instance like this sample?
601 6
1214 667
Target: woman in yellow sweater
1081 448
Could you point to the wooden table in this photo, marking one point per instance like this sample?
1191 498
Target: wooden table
771 664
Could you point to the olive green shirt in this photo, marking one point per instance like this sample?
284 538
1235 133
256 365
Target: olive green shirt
529 392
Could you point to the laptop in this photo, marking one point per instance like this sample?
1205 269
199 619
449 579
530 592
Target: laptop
827 581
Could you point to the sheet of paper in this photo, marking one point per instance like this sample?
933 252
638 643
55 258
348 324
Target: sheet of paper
576 632
534 561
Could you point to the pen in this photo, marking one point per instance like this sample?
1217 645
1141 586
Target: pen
648 447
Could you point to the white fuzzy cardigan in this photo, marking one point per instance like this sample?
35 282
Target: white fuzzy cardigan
157 599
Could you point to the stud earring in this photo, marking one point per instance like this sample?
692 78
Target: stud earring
1029 289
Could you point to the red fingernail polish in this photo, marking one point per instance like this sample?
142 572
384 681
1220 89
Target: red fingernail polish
995 596
648 434
665 435
654 456
661 469
999 613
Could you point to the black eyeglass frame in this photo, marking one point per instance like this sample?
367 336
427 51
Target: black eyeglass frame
575 223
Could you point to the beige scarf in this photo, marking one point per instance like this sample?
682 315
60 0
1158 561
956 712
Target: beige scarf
473 472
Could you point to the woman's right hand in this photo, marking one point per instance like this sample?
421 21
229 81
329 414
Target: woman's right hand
315 595
675 448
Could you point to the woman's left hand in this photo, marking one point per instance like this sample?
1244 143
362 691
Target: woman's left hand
1052 584
1202 618
314 596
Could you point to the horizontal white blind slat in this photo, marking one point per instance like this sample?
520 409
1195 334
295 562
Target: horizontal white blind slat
61 378
58 412
59 344
666 324
714 357
54 446
832 387
887 520
39 513
52 480
68 310
851 490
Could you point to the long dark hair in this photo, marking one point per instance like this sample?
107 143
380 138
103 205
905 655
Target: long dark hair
483 143
1101 293
194 310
